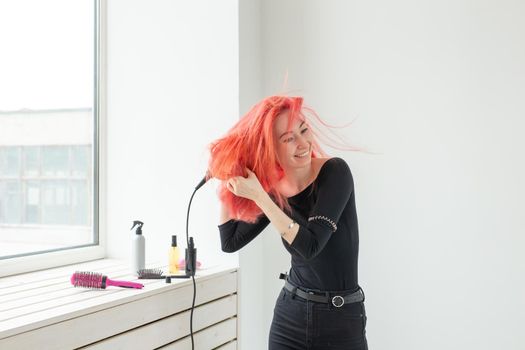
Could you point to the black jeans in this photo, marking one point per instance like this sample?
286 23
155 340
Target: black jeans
307 325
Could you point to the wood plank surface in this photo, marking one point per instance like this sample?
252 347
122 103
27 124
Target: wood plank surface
37 306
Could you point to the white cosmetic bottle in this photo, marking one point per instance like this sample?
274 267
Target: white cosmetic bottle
138 247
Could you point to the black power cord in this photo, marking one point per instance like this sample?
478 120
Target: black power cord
191 259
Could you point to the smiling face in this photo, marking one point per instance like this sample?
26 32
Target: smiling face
294 146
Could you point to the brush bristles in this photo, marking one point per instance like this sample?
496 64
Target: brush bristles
88 279
149 273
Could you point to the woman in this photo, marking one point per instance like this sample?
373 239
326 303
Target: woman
273 171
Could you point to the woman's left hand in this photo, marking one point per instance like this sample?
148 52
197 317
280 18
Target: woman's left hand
246 187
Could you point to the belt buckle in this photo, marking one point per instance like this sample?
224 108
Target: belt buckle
338 301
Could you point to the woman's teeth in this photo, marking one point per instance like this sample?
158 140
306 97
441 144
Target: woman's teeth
302 154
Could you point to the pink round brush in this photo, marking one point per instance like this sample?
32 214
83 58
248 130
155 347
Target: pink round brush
96 280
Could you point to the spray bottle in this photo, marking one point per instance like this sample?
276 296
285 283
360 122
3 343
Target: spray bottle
138 245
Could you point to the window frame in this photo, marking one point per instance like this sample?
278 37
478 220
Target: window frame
39 261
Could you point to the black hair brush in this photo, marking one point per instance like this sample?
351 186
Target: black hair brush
156 274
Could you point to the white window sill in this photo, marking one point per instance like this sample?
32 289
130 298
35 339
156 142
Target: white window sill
45 302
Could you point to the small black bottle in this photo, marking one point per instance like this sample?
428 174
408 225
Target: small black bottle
191 258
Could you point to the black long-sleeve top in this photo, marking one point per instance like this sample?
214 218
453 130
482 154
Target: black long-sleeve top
320 258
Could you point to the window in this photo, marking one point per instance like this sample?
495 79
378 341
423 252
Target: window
49 125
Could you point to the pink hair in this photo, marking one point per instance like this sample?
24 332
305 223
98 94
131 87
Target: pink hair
250 144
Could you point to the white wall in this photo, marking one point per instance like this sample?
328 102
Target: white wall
252 260
172 88
438 91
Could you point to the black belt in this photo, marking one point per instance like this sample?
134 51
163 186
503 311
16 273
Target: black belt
335 300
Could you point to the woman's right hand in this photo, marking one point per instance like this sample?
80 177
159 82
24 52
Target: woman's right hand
246 187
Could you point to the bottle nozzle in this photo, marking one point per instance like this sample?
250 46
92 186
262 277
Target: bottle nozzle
139 229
